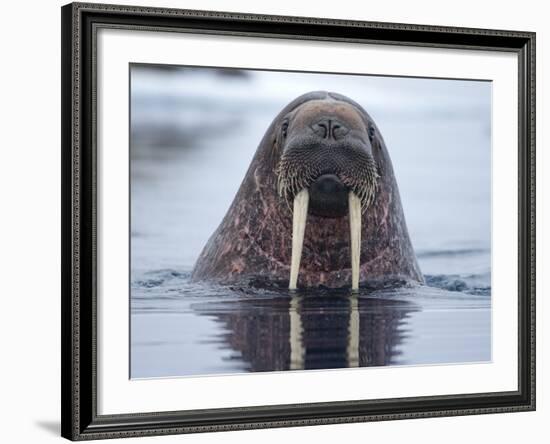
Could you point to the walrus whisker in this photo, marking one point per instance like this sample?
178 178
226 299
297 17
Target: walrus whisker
299 218
281 186
354 204
289 198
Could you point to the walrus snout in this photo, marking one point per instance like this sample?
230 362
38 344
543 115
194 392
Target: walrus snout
328 197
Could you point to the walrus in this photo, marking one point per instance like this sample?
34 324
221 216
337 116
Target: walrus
319 207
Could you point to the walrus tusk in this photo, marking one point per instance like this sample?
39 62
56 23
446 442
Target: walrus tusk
355 235
301 202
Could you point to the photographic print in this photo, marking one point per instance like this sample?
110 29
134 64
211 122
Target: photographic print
274 221
300 220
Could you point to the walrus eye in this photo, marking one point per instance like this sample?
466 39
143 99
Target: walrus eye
284 128
371 133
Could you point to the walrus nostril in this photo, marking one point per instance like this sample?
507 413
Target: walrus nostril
329 128
321 129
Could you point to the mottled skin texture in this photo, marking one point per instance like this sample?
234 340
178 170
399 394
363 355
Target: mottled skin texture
252 245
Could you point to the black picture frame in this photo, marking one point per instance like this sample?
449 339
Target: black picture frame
79 169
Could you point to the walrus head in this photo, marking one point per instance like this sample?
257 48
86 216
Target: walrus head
326 150
318 207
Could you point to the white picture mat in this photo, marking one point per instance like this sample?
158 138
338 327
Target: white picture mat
118 394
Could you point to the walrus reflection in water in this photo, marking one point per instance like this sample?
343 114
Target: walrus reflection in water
318 207
318 331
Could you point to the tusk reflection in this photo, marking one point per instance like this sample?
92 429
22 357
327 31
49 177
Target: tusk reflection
297 349
353 332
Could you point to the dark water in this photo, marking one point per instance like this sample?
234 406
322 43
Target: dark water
193 136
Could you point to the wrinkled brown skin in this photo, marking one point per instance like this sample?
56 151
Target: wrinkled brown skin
252 245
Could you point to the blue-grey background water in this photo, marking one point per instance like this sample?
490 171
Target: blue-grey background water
193 134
